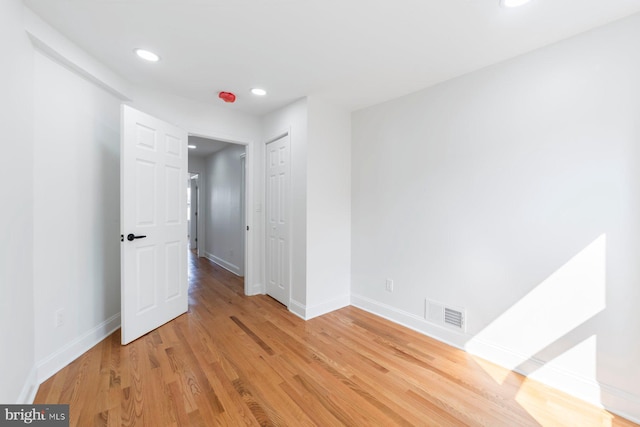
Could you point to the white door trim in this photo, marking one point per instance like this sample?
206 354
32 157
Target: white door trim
243 211
195 190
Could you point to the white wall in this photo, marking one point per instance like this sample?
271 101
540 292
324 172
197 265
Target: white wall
17 373
514 192
293 119
328 208
77 211
210 120
224 229
320 203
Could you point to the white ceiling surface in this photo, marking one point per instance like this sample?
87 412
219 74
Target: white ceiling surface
353 53
204 146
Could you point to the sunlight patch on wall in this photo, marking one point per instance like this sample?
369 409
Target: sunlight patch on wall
570 296
580 362
583 356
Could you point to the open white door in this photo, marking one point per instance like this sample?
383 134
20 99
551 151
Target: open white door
153 216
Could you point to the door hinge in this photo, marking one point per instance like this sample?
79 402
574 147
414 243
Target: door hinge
247 228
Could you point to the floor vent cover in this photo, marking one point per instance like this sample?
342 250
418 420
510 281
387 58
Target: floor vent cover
442 315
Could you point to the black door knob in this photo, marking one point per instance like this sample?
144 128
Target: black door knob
131 237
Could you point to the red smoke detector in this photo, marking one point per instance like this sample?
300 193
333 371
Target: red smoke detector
227 96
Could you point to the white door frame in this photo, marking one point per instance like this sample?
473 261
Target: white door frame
284 134
195 195
249 236
243 209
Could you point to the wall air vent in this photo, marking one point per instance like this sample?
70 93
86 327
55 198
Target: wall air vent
453 318
447 316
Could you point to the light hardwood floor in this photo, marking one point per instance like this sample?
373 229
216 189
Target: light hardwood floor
233 360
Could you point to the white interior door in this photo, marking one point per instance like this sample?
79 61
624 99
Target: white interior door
277 210
153 214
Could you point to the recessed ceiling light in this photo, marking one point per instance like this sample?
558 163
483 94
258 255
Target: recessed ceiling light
147 55
258 91
191 146
513 3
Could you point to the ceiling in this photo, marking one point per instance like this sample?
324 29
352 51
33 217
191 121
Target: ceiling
353 53
204 146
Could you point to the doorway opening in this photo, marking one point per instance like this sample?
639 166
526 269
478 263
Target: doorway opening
220 219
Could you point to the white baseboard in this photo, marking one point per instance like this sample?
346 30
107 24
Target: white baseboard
327 306
298 309
621 403
30 388
255 289
71 351
590 390
409 320
222 263
308 313
613 399
576 385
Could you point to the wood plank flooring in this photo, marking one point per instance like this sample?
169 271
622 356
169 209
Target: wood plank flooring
234 360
